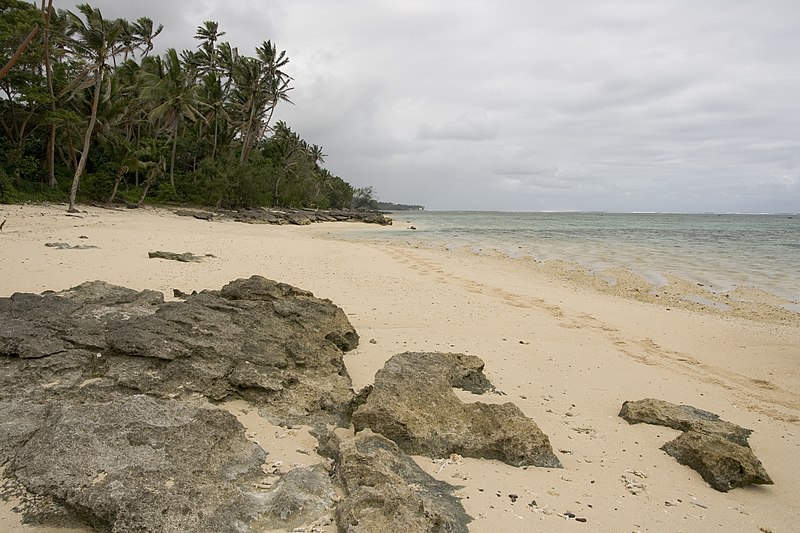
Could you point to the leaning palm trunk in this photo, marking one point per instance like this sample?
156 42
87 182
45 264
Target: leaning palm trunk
87 139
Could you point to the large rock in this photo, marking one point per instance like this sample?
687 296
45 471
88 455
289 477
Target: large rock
682 418
385 490
412 403
274 345
723 464
141 464
718 450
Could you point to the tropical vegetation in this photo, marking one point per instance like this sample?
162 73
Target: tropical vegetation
88 112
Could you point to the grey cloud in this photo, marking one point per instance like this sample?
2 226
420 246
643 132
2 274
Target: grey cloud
678 105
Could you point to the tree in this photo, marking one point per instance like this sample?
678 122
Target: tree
95 41
174 95
364 198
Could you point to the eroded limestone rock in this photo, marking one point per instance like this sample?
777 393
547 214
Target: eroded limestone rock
141 464
412 403
718 450
723 464
385 490
274 345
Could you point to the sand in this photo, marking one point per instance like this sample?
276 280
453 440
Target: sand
568 352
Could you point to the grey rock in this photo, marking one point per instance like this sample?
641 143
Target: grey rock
302 496
682 418
385 490
185 257
412 403
274 345
140 464
718 450
723 464
67 246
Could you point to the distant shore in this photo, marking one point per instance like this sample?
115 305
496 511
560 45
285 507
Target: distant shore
557 343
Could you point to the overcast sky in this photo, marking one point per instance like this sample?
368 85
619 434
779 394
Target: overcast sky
679 105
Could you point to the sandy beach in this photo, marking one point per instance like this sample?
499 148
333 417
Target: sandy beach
565 351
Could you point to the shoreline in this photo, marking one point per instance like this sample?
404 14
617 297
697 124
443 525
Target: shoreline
568 355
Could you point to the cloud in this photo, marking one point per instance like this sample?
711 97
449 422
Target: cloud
668 106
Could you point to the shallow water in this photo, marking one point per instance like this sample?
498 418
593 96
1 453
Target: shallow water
719 251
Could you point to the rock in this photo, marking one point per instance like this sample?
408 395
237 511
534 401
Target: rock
682 418
385 490
718 450
306 216
271 344
142 464
413 404
200 215
301 496
66 246
724 465
186 257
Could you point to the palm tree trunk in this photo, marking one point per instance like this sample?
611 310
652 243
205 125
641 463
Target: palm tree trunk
172 157
116 186
87 139
51 142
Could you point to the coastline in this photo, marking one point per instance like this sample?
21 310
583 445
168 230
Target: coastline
567 353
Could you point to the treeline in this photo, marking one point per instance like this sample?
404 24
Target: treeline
88 112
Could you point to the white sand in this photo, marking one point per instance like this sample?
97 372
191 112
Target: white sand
566 353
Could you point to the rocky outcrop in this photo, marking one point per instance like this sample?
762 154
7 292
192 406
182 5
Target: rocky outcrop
412 403
140 464
385 490
101 403
716 449
302 217
272 344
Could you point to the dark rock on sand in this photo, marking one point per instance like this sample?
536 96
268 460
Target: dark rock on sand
303 217
185 257
723 464
385 490
272 344
142 464
718 450
101 402
682 418
412 403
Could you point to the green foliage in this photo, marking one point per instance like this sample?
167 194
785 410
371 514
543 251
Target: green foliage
191 126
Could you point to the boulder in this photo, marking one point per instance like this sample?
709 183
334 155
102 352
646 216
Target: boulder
682 418
718 450
141 464
274 345
412 403
723 464
385 490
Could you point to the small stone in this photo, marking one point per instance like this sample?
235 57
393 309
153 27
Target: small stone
513 497
580 519
373 341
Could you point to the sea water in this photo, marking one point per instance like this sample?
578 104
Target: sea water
720 251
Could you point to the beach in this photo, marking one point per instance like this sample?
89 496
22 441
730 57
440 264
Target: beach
559 345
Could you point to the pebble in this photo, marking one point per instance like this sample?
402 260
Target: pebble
513 497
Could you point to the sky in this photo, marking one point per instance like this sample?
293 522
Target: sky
533 105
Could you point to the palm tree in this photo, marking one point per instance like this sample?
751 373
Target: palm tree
174 96
95 41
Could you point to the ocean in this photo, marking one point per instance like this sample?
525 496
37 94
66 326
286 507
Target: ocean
721 251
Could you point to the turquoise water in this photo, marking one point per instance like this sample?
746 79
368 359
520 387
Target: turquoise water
719 251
